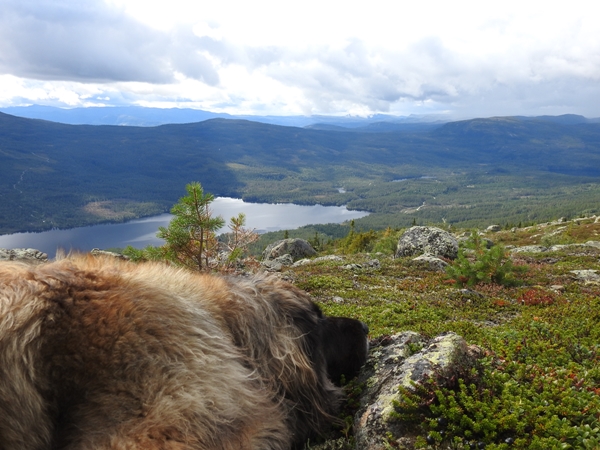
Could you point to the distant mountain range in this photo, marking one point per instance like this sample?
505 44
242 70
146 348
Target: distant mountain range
148 117
60 175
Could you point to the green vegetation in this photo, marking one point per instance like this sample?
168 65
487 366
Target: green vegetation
538 389
477 264
467 174
191 240
537 386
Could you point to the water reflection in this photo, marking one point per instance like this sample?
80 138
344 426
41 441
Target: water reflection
140 233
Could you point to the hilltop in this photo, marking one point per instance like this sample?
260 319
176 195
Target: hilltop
537 385
465 173
149 117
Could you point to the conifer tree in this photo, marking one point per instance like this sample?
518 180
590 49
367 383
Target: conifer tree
190 237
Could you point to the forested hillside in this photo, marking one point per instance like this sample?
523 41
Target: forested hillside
471 172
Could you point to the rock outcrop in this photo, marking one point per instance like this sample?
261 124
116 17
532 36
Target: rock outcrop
276 264
29 255
430 262
98 252
493 228
588 276
303 262
431 240
555 248
296 248
396 362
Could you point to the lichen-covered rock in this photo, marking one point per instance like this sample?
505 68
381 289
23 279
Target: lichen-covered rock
296 248
29 255
493 228
588 276
595 244
302 262
567 247
430 262
434 241
529 249
98 252
275 265
373 263
399 361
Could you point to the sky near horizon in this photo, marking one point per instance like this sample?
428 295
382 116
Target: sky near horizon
458 58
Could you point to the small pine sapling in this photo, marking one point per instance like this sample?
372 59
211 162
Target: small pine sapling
476 263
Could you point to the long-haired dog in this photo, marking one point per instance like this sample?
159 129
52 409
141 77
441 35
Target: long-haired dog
97 353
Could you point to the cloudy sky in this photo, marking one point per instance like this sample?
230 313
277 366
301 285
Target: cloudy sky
461 58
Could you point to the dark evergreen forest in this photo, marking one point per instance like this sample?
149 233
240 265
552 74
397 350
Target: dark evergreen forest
468 173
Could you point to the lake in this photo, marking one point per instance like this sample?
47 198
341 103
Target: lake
142 232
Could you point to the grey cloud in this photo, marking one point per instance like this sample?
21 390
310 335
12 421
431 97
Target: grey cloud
429 72
186 57
352 60
552 97
384 88
90 42
372 77
195 65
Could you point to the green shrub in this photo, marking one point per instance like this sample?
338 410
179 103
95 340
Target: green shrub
356 242
191 240
506 406
387 243
538 388
478 264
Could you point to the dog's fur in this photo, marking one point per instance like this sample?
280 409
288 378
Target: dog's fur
97 353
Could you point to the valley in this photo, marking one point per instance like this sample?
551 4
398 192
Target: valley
508 170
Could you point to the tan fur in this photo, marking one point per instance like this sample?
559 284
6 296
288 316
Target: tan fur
97 353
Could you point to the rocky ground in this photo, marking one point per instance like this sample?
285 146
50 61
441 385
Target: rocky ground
522 362
489 366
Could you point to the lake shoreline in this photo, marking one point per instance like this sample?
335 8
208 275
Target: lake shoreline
141 232
142 217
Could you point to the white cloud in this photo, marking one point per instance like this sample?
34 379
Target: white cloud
275 57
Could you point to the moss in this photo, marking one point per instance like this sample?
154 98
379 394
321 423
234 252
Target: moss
538 386
326 283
